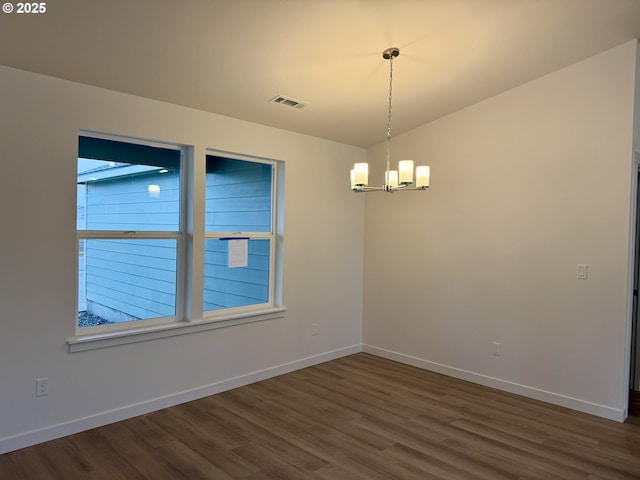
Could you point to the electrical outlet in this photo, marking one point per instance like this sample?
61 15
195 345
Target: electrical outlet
314 329
42 387
497 349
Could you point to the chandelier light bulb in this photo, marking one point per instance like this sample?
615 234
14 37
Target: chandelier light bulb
391 179
422 177
406 171
361 174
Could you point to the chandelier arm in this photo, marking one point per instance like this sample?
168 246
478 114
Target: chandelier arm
412 188
361 188
386 188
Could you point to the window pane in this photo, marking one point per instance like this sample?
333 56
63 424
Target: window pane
238 195
226 287
124 186
126 280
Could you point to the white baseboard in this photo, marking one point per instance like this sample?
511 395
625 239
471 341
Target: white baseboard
33 437
610 413
22 440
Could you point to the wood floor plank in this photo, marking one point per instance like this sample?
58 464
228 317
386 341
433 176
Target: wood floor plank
358 418
429 441
208 437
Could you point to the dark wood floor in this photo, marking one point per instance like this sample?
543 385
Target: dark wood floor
357 418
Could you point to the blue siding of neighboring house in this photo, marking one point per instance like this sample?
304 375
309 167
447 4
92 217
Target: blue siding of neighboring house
136 279
238 199
126 203
234 287
132 279
238 196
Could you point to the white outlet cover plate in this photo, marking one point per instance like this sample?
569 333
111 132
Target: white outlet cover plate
582 271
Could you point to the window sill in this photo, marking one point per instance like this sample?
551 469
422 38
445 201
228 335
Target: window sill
83 343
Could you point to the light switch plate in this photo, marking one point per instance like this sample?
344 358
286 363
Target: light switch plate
582 271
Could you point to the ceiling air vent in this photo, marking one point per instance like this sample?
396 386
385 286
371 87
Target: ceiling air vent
288 101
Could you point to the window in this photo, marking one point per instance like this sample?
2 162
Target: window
136 257
129 232
239 238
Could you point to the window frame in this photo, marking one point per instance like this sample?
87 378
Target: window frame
190 316
177 235
271 236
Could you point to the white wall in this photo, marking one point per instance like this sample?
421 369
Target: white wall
323 262
525 186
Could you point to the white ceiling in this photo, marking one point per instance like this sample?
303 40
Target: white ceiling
232 56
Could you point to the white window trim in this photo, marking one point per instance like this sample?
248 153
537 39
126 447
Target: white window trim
274 293
190 317
82 343
178 235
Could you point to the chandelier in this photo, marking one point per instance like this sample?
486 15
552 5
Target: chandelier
394 180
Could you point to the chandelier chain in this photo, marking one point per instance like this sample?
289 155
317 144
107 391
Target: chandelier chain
389 115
